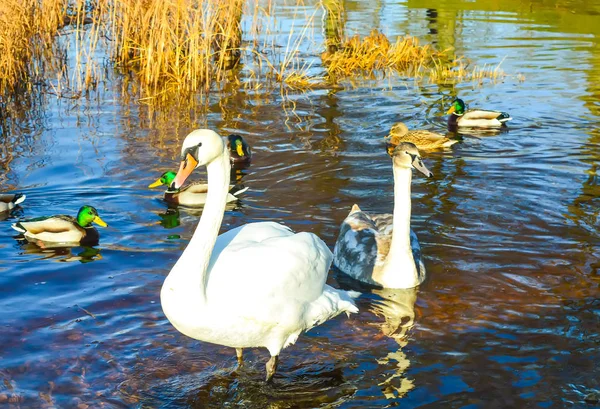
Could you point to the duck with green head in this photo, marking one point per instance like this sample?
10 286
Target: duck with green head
239 150
192 195
63 229
474 118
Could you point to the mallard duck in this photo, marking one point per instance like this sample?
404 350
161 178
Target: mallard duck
421 138
8 201
278 292
63 229
239 150
192 195
381 249
474 118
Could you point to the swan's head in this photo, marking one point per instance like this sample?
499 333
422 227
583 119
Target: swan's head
406 155
199 148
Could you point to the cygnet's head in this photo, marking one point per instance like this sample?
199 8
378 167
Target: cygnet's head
406 155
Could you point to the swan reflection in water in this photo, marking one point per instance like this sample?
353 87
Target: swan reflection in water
397 308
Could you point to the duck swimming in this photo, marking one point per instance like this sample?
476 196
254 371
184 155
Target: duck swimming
240 153
474 118
9 201
62 229
194 194
422 139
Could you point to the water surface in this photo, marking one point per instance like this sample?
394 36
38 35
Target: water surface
509 226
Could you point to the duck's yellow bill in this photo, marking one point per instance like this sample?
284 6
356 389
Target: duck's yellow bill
99 221
239 150
156 183
451 110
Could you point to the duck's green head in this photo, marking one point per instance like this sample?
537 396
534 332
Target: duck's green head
88 215
238 147
457 108
165 179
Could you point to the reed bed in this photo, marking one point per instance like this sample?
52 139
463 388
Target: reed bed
162 50
175 45
376 54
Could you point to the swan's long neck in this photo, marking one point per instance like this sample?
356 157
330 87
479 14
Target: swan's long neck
190 271
400 265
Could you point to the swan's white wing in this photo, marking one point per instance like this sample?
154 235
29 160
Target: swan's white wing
268 263
268 280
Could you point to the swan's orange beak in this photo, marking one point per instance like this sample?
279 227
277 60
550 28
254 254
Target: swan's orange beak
186 168
451 110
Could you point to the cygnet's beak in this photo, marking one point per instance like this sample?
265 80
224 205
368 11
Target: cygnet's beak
418 165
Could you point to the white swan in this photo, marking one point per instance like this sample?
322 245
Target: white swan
382 249
258 285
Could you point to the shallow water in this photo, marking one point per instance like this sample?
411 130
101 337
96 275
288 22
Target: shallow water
509 227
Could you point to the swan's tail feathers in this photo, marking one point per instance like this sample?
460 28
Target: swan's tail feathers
238 189
353 294
331 303
347 301
355 209
18 227
503 117
19 198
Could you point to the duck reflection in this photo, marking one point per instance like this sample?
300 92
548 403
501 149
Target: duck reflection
456 132
170 218
397 308
62 254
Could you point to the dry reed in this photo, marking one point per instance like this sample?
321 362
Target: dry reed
173 48
178 45
376 54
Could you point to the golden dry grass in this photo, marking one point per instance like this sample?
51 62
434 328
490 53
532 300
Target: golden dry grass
376 54
28 31
177 45
166 49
